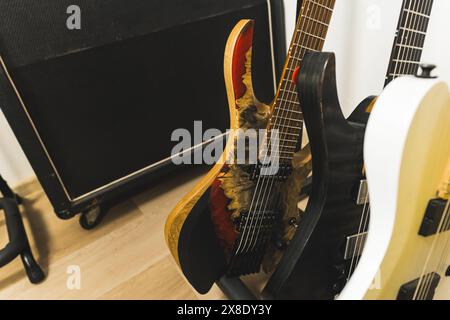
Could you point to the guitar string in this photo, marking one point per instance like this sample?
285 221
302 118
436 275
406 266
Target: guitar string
411 38
406 35
290 89
260 180
406 9
424 278
290 67
312 42
423 29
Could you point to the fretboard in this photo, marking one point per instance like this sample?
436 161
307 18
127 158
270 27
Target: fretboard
409 39
309 35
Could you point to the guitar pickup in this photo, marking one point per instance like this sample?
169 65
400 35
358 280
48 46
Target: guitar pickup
281 173
408 291
362 196
355 246
433 218
259 220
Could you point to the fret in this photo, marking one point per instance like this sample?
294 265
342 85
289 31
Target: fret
295 58
290 134
292 111
305 47
288 91
406 61
278 126
409 47
288 119
396 75
295 103
290 141
323 6
294 148
410 38
290 69
314 20
417 13
312 35
412 30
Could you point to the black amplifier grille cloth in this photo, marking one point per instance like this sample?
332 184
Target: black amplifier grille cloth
107 108
33 30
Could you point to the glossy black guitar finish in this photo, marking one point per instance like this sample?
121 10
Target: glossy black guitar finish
314 264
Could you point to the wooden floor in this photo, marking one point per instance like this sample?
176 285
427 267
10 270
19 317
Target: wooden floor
124 258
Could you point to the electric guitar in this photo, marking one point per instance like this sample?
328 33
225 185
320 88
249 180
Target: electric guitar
239 218
409 184
326 248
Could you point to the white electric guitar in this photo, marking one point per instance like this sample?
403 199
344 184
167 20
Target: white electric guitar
407 149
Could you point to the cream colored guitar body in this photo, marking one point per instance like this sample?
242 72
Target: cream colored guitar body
407 150
227 186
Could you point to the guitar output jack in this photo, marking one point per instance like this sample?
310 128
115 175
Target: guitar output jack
293 223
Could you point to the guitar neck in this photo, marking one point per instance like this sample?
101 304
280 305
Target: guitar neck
410 38
309 35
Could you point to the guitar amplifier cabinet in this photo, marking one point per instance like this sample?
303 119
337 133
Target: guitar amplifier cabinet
94 108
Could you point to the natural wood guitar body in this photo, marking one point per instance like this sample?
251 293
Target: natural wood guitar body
226 190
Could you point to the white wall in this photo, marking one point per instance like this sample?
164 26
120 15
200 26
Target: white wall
361 34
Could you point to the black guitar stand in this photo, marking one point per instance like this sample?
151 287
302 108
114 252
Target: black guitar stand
18 241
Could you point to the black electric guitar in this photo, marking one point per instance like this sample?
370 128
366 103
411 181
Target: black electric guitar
325 250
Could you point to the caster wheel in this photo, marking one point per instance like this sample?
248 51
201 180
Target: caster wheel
91 218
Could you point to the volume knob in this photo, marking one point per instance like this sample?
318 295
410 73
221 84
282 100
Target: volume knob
426 70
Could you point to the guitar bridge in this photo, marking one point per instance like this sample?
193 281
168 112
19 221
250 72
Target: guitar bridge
258 230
